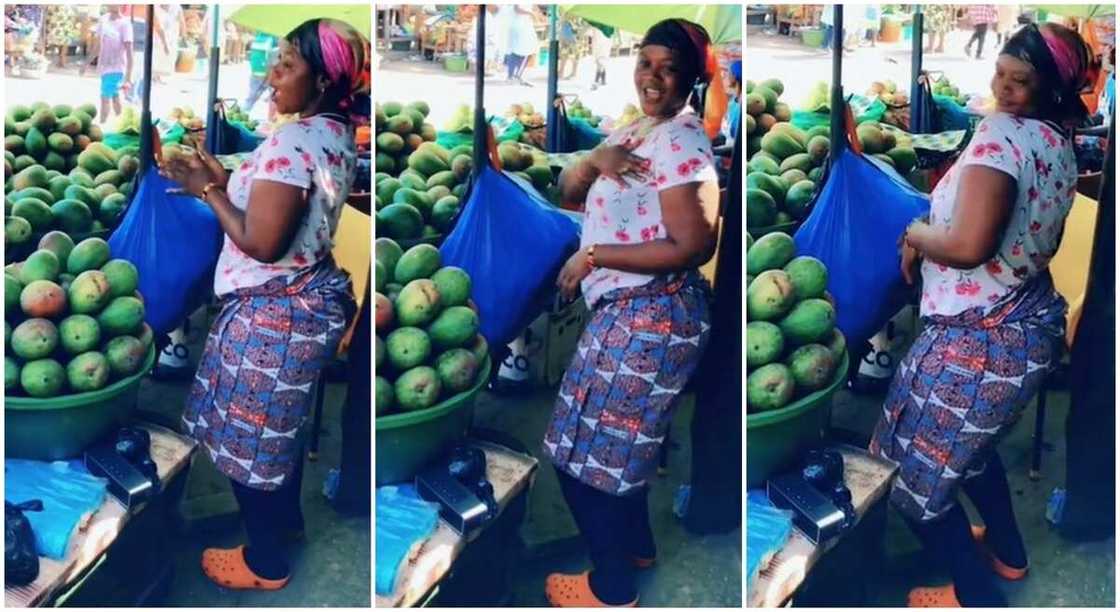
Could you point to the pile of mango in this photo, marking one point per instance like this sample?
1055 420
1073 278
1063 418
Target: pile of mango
419 186
793 347
73 319
427 346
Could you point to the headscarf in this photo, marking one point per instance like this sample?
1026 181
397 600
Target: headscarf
699 64
1062 65
341 54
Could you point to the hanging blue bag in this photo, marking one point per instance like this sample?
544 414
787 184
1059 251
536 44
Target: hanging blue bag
512 243
858 216
174 242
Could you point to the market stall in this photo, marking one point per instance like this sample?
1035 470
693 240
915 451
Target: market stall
808 509
83 319
435 360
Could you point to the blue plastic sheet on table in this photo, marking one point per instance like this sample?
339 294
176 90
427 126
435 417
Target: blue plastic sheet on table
403 520
67 493
174 242
859 214
768 529
512 243
952 116
231 137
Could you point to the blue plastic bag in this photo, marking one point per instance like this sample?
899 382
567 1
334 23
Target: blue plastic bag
513 244
174 242
67 494
857 219
403 520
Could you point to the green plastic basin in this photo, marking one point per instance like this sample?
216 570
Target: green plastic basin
408 441
65 426
776 438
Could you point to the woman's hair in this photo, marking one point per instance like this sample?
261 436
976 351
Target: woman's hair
691 42
339 53
1062 61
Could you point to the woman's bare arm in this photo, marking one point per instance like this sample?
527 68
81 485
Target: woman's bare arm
984 202
575 181
266 229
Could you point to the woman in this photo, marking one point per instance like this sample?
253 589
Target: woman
651 201
523 44
61 30
993 321
938 20
285 304
169 24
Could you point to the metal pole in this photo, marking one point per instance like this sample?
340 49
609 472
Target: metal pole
146 152
212 117
481 149
838 132
916 99
552 140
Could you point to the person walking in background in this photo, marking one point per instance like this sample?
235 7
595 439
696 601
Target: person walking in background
61 30
168 27
261 53
1007 16
829 28
601 51
112 52
874 16
571 46
523 44
938 20
982 16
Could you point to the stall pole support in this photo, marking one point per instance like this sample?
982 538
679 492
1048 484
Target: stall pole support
553 119
838 133
146 152
481 150
212 116
916 99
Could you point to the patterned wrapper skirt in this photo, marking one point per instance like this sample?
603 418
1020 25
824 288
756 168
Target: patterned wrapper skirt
632 361
964 382
253 388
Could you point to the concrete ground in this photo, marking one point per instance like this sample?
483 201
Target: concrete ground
330 567
691 571
405 77
769 55
1062 574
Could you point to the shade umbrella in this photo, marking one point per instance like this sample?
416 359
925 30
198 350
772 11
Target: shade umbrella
1079 11
722 21
278 20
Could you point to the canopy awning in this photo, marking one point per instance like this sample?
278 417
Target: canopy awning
722 21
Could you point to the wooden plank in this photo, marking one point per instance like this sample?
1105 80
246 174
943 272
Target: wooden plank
869 479
97 532
510 473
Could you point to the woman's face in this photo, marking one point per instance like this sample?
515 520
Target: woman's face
657 79
1014 86
294 86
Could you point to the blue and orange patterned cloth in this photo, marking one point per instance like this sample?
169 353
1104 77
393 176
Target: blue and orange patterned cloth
632 361
964 382
265 351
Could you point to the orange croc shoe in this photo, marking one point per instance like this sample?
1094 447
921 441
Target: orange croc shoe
227 568
574 591
933 597
1001 569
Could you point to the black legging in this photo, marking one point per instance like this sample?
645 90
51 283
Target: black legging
616 529
267 516
978 35
949 538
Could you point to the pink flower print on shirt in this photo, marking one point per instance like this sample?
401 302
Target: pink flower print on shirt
683 169
622 236
675 147
694 163
1035 227
1032 193
300 259
994 267
270 166
968 287
1048 135
1017 248
599 201
662 179
993 298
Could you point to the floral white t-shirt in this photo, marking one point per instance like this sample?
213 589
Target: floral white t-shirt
679 152
317 154
1041 160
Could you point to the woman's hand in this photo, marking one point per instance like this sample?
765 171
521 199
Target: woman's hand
617 162
194 172
574 271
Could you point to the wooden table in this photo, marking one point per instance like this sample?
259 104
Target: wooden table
869 479
510 473
96 533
